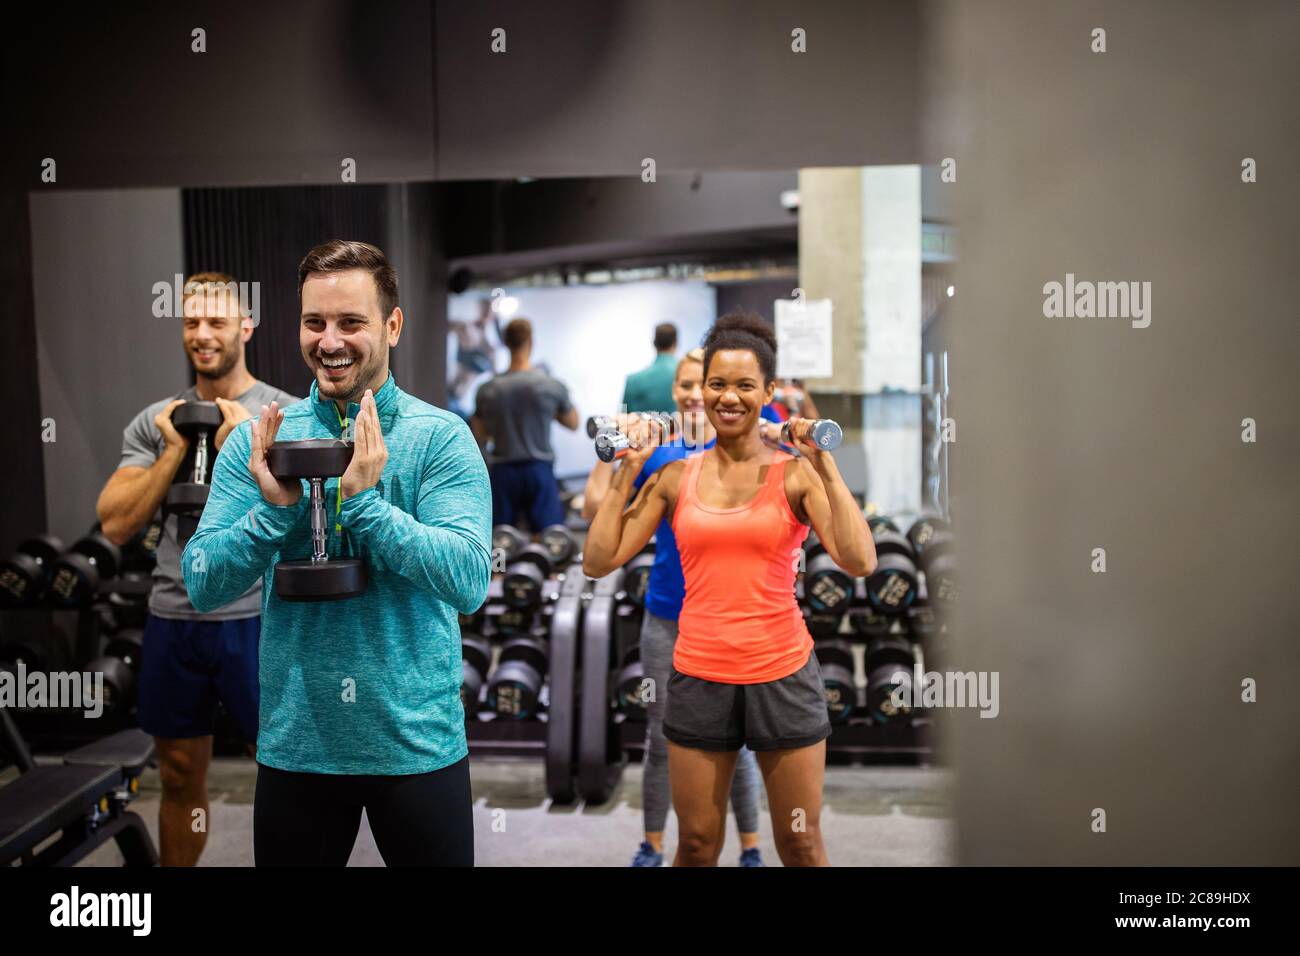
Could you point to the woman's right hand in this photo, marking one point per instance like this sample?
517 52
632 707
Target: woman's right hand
644 435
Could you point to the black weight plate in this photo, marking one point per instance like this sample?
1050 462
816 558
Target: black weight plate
22 578
44 547
312 458
924 529
826 587
331 580
106 555
192 417
75 580
891 588
560 542
879 523
841 693
187 498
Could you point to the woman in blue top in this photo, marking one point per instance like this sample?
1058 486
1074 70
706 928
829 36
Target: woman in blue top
663 603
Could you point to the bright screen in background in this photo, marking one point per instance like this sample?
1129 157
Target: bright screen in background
589 337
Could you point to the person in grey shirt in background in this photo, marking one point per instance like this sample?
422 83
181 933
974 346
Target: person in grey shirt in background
514 412
190 661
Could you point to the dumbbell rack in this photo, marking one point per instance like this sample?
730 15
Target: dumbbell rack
79 629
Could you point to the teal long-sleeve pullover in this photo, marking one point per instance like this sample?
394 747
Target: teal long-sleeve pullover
369 684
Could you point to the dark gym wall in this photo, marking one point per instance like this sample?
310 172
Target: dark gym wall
283 94
593 87
103 355
22 499
260 235
1122 691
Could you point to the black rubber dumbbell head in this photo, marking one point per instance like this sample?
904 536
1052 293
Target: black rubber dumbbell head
524 583
891 587
508 540
311 458
889 663
826 587
194 417
476 657
515 687
835 658
79 571
332 580
561 542
26 572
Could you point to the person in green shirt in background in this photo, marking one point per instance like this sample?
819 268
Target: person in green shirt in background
651 389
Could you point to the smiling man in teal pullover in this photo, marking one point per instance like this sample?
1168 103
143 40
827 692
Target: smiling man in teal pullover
360 698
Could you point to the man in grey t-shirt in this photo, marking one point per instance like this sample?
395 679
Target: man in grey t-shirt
190 661
514 412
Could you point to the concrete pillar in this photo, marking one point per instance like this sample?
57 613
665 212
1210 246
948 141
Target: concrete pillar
860 247
1122 691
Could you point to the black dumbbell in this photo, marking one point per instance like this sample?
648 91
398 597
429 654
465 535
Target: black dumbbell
524 584
921 620
879 523
631 690
79 571
320 577
923 529
889 664
25 573
825 586
636 577
939 562
836 661
515 687
27 652
867 622
561 542
139 555
891 588
127 645
509 621
472 622
822 624
197 421
476 657
507 541
119 684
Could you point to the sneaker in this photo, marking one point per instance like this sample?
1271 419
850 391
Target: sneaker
751 857
649 856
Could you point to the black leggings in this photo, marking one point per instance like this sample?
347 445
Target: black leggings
312 819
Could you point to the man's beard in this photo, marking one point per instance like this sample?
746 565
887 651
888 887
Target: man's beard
364 373
226 361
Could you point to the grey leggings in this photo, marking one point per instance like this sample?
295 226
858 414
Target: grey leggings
657 639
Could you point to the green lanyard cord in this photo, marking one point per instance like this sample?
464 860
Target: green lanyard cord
338 506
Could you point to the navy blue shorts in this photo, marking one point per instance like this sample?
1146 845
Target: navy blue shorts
525 489
186 667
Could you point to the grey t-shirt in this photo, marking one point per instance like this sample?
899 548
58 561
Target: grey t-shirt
518 408
142 444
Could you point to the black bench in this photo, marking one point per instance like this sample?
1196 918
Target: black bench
83 802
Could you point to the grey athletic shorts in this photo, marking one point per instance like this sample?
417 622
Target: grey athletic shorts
779 715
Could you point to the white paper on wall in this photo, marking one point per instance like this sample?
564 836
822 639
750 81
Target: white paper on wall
803 338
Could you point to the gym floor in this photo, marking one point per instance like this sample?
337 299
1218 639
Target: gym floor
873 816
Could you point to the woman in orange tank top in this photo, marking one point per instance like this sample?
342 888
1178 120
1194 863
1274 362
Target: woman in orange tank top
743 667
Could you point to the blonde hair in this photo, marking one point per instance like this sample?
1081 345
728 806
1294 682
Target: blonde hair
694 355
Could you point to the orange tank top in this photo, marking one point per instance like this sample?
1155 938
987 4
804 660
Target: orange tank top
740 623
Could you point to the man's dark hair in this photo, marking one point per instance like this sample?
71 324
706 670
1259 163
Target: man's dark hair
743 330
340 255
517 334
665 337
